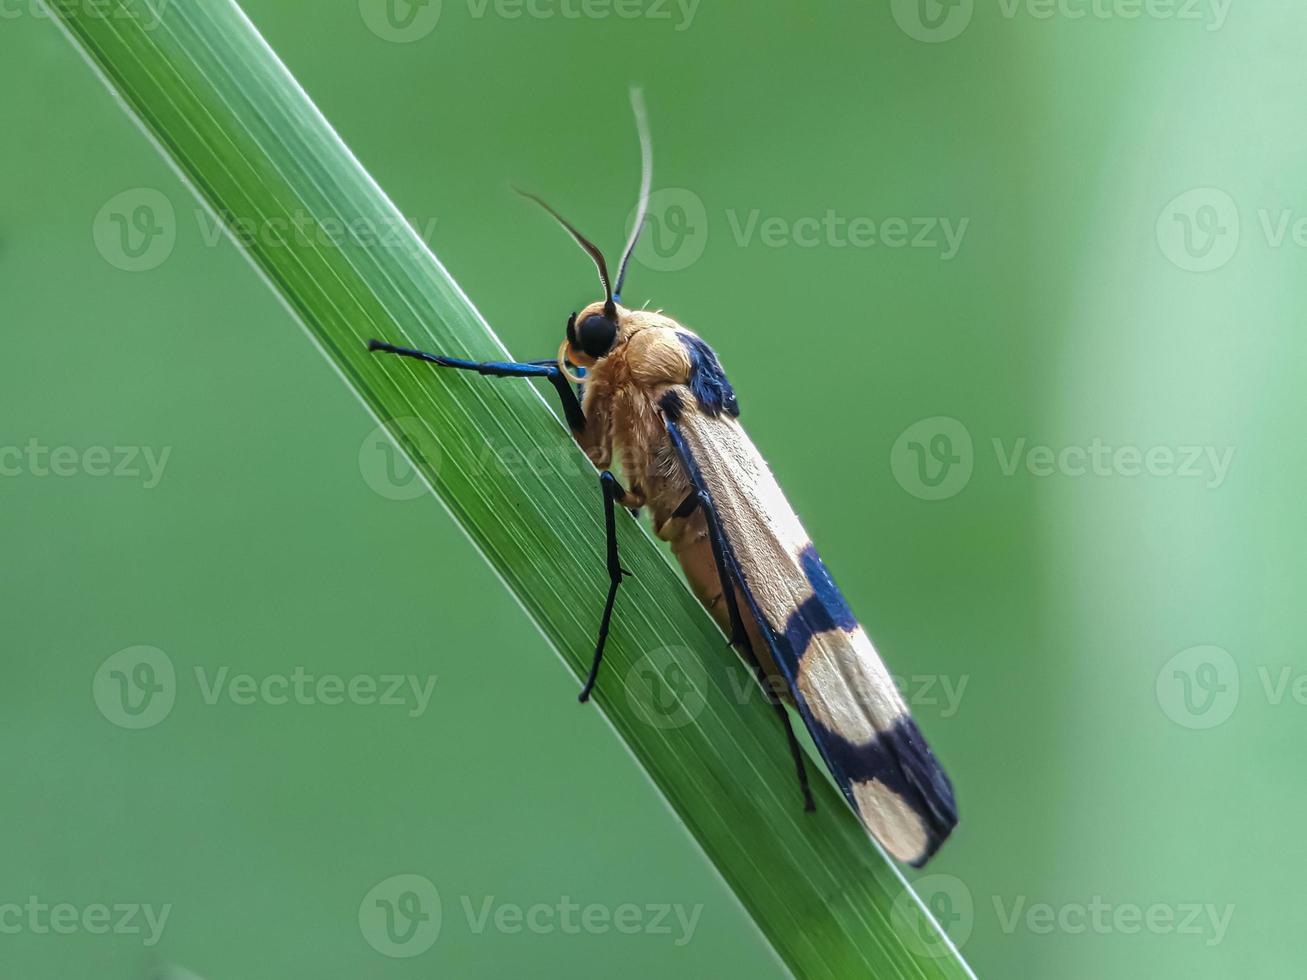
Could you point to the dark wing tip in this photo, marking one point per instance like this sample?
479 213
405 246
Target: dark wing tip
899 761
930 792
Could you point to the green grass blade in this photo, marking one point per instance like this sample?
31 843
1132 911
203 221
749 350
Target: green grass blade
225 111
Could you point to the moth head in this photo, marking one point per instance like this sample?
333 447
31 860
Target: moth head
595 331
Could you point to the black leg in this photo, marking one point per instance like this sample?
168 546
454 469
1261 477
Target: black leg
739 636
502 369
613 492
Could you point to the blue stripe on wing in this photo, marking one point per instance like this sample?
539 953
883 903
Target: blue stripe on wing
898 757
821 612
708 381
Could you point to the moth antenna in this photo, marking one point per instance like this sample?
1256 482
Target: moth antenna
646 184
591 249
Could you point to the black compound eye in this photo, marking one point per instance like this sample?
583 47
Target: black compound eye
597 334
571 330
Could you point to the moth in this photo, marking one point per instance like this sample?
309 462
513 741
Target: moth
639 387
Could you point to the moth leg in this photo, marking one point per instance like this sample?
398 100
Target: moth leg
502 369
739 635
613 493
741 639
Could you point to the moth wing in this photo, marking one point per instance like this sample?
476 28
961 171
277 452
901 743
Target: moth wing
846 697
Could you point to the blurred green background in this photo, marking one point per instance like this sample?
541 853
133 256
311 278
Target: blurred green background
1013 297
